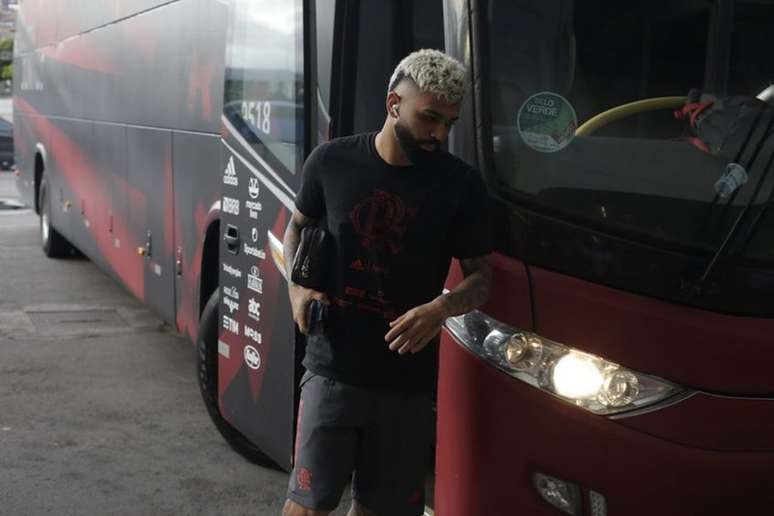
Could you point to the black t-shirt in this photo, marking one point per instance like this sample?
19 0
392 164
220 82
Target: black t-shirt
395 230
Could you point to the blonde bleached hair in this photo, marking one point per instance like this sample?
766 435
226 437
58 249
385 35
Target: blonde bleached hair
433 72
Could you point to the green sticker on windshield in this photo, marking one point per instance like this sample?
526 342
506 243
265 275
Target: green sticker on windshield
547 122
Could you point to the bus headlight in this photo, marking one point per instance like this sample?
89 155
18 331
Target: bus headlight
577 376
586 380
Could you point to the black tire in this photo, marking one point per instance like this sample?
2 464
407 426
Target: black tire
54 245
207 368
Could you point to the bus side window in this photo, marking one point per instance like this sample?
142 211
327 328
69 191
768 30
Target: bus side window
264 90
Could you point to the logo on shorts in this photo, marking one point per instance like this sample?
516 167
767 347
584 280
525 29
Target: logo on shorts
304 478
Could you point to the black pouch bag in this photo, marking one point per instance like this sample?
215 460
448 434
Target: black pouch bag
311 265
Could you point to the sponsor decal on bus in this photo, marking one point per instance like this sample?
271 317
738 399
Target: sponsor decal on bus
254 309
232 271
252 357
231 325
229 175
253 189
254 207
232 305
231 206
231 292
254 252
253 334
254 281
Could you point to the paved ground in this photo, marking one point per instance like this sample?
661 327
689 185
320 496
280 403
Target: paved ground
99 408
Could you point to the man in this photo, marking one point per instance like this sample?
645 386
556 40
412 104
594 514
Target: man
398 208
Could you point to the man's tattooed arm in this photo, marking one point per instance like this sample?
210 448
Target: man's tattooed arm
300 297
412 331
473 291
292 237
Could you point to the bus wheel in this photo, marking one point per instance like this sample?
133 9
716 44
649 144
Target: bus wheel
207 368
54 245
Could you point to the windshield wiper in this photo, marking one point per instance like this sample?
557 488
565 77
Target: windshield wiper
761 180
706 231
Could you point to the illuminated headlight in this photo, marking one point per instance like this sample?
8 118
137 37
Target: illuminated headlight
577 376
583 379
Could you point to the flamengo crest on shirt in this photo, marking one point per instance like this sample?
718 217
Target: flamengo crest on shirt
229 175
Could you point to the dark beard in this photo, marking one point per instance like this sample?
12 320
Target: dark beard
411 146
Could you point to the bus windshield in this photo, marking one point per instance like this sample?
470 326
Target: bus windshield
650 120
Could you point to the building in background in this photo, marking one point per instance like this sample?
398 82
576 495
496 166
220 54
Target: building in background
7 19
7 29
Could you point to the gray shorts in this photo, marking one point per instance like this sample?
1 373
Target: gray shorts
379 440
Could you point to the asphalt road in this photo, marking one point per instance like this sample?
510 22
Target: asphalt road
100 412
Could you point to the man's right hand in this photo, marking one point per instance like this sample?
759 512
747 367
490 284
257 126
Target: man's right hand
300 297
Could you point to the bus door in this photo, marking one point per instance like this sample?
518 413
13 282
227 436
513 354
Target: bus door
274 113
263 138
151 207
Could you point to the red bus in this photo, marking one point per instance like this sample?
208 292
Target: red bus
623 363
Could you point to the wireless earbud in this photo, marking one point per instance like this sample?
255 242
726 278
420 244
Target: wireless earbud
394 110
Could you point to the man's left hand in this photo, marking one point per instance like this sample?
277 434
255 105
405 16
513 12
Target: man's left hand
412 331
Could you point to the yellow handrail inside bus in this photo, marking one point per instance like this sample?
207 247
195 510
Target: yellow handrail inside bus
625 110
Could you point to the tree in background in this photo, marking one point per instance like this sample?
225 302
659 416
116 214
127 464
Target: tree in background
6 64
6 50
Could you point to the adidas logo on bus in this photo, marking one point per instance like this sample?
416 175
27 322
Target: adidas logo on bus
229 175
